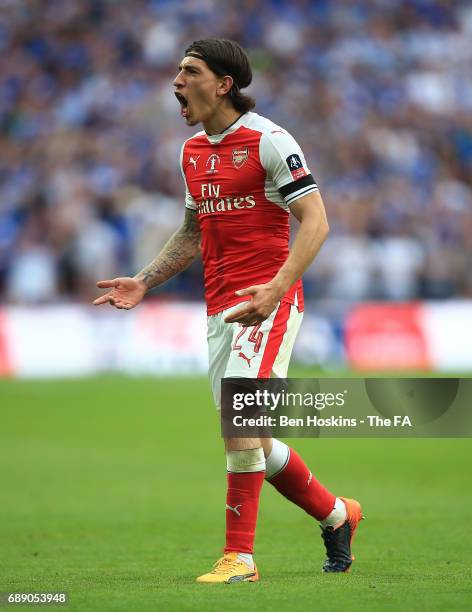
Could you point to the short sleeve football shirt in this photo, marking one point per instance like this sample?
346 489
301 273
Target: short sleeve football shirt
241 183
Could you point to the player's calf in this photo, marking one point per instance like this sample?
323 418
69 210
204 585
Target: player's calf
338 516
246 471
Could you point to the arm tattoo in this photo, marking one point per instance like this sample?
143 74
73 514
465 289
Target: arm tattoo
179 252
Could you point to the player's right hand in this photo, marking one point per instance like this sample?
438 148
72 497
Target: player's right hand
126 292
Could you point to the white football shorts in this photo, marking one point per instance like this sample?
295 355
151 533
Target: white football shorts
261 351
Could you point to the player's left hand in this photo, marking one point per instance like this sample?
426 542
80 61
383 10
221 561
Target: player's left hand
264 300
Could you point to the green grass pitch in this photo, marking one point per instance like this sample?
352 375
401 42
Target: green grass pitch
112 490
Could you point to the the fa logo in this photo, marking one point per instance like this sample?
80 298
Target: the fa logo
295 166
294 162
212 162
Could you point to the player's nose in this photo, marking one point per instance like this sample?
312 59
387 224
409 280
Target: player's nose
179 80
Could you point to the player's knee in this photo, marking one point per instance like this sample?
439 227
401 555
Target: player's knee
248 460
277 459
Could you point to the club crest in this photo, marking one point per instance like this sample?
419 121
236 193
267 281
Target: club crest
240 157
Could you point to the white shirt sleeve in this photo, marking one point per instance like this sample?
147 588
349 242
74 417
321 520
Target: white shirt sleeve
189 201
283 159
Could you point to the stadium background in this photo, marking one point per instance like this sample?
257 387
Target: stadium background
379 95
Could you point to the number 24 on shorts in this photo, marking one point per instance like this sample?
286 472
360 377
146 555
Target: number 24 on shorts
255 336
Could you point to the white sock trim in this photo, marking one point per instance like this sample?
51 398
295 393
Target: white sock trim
247 559
337 516
249 460
278 458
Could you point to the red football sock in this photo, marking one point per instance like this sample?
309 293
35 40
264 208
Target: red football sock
298 484
242 503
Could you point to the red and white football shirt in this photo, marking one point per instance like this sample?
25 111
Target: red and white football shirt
241 183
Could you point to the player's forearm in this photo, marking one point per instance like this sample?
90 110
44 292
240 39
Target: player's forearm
311 234
179 252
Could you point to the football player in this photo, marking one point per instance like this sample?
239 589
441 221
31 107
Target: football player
244 175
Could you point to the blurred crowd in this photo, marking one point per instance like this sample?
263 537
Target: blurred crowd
377 92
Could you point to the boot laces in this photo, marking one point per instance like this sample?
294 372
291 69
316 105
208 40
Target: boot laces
223 564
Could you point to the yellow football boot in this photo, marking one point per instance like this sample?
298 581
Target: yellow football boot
230 569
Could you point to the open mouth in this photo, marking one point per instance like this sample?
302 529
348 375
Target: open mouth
183 103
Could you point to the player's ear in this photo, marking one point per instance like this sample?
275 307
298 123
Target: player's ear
224 85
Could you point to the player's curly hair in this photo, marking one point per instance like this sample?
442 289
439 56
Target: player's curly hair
226 57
